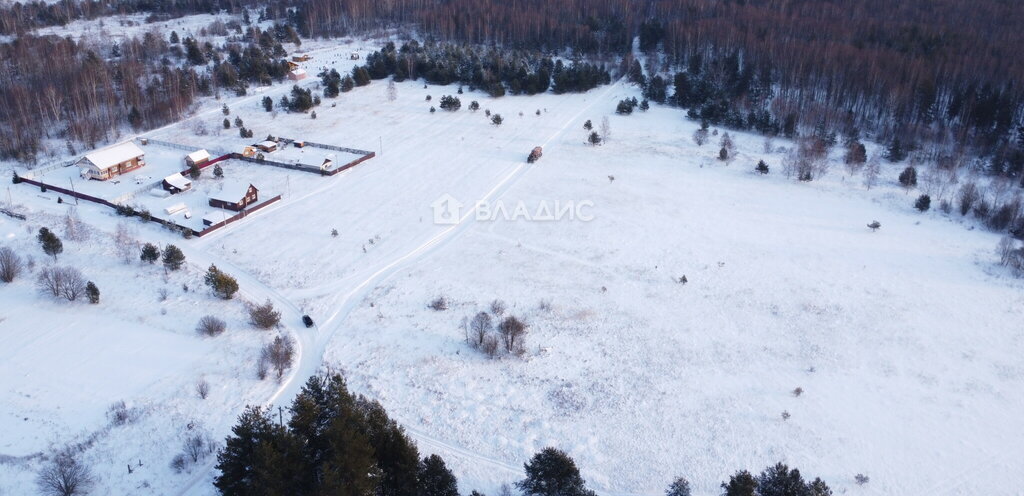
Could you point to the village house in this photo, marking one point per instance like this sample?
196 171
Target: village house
297 75
234 197
267 146
112 161
176 183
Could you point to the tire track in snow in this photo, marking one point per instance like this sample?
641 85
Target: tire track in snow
312 343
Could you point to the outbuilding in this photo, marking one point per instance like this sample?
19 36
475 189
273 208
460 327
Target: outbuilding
197 158
176 183
297 75
112 161
234 197
267 146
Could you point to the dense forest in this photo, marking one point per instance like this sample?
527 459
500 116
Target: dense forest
939 75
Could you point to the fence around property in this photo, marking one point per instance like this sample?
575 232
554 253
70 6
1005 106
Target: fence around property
239 216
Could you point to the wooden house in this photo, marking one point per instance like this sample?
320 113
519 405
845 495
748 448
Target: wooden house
301 58
235 197
112 161
297 75
198 157
267 146
176 183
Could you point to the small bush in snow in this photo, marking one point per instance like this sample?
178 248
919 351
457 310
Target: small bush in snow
262 368
11 265
92 292
119 414
264 316
178 463
923 203
798 391
498 308
211 326
785 415
439 304
202 388
861 479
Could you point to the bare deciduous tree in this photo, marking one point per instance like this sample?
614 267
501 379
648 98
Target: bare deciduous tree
513 332
498 308
279 354
606 129
11 264
66 282
124 243
480 326
74 228
968 196
64 475
392 91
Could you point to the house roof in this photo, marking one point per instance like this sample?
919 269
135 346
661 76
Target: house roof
299 72
178 181
111 156
231 192
267 143
198 155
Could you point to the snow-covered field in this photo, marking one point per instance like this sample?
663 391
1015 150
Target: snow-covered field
905 341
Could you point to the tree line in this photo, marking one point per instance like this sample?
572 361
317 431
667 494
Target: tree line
336 442
85 95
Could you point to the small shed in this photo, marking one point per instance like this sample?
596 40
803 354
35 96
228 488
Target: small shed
198 157
235 197
292 65
176 183
297 75
267 146
301 58
249 151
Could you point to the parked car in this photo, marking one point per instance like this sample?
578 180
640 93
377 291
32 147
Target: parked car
534 155
306 319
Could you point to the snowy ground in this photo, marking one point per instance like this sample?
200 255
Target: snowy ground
905 341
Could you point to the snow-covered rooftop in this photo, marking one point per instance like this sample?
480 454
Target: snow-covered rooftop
111 156
198 156
178 181
231 192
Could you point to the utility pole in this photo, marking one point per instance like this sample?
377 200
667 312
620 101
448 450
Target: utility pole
381 139
73 193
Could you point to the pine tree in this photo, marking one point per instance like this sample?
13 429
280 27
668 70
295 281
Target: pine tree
223 285
268 103
588 125
741 484
679 487
395 452
92 292
150 253
553 473
594 139
645 106
895 152
194 171
923 203
908 178
173 258
50 242
218 172
227 123
779 480
435 479
762 167
242 472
